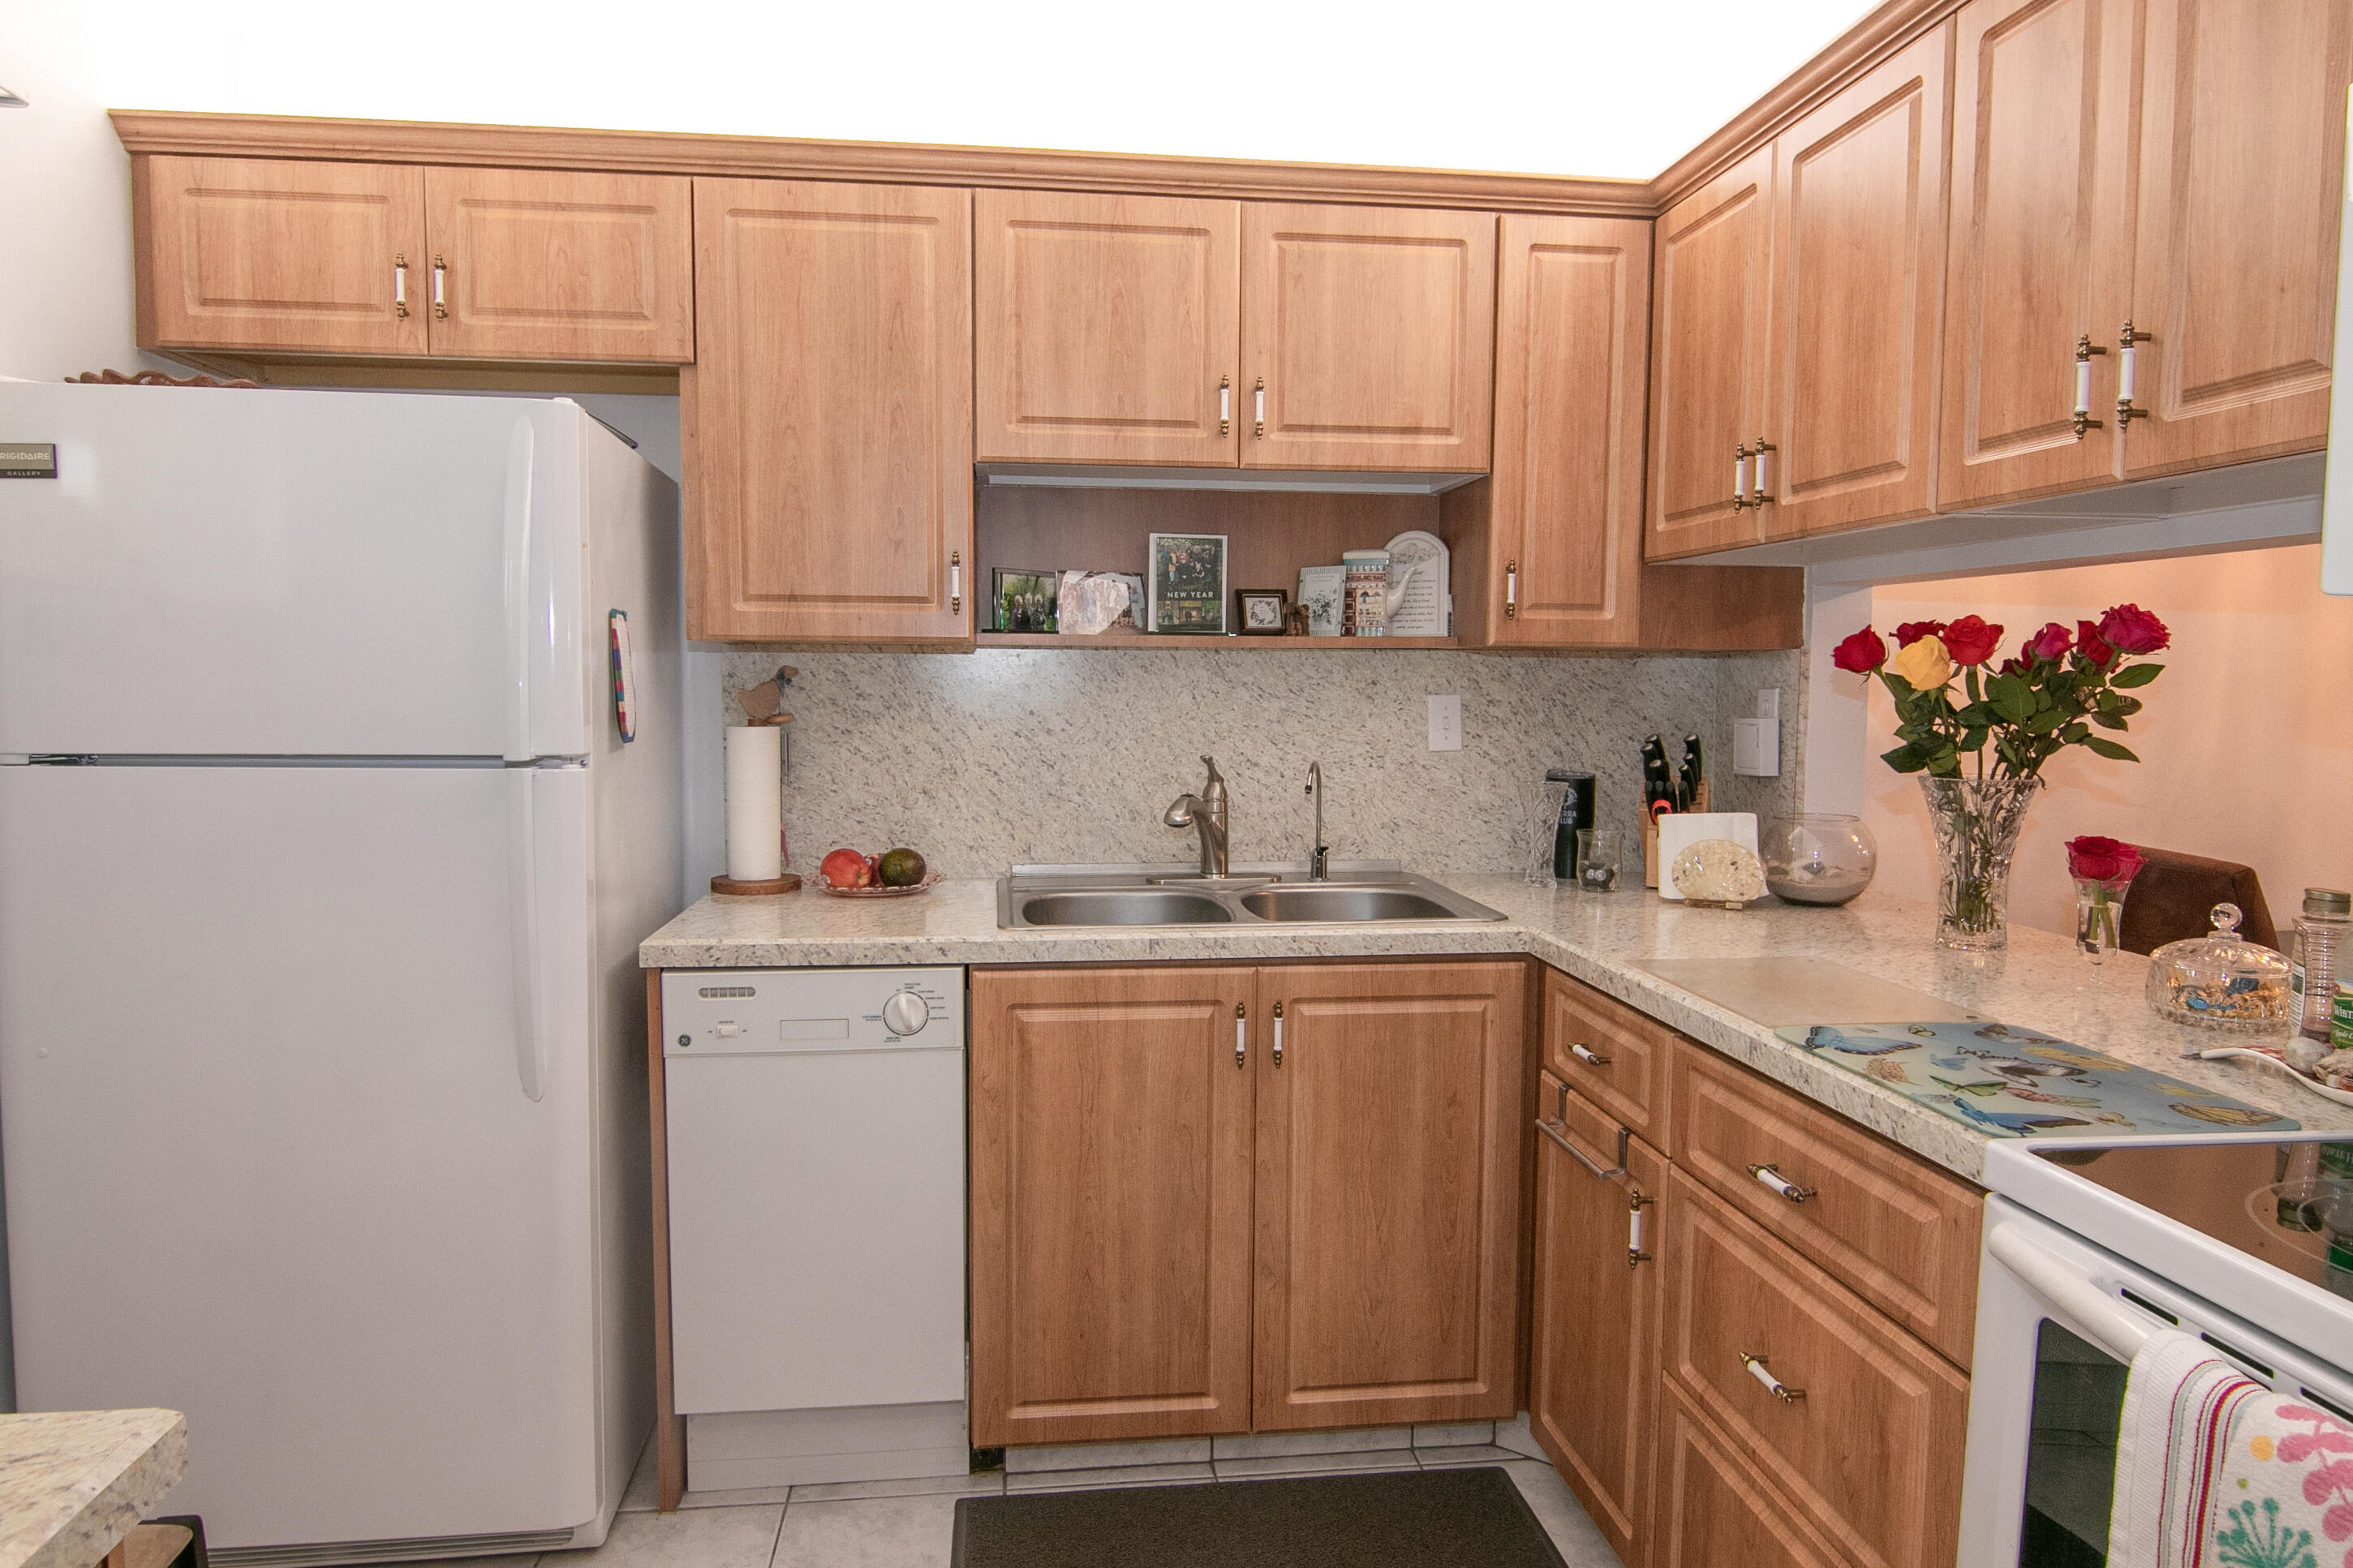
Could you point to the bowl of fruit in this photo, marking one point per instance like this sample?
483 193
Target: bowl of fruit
893 874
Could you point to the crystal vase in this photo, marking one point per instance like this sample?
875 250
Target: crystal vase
1976 825
2099 915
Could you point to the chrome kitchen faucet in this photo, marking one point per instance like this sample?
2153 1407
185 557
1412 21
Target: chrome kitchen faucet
1206 812
1319 854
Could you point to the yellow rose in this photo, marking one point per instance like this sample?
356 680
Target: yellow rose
1924 665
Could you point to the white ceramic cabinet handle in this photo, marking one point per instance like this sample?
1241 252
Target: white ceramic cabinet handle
1258 394
1242 1033
1278 1034
1772 1177
1635 1255
400 285
1591 1057
1773 1385
1225 403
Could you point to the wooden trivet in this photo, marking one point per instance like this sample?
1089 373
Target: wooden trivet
729 888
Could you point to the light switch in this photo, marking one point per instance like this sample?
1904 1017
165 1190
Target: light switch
1446 724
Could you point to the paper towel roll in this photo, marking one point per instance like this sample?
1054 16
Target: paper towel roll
755 802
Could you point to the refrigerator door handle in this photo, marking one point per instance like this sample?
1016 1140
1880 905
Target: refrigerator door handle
523 929
518 563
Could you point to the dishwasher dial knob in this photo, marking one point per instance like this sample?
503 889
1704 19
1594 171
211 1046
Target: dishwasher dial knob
905 1013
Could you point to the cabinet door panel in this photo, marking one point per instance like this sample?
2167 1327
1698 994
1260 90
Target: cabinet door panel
829 413
1707 358
2242 181
268 253
552 264
1110 1203
1373 332
2040 248
1870 1453
1625 1053
1858 299
1103 326
1714 1509
1593 1371
1572 332
1387 1206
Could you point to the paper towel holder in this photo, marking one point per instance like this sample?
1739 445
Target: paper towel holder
726 886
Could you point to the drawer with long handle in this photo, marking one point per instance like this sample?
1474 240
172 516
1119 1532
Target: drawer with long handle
1886 1222
1609 1053
1712 1508
1855 1421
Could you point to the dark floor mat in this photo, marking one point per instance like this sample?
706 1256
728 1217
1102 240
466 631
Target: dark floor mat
1415 1519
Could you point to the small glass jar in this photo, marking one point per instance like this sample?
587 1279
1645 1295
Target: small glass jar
1819 858
2223 982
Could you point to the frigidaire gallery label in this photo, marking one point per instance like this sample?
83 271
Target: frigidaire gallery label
28 460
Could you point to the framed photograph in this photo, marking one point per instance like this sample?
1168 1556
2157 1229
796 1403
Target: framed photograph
1260 612
1186 587
1025 601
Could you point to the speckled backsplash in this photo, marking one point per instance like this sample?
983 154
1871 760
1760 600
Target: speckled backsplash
1010 756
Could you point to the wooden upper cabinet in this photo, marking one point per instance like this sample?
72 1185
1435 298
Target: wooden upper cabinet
828 418
1371 331
1858 300
1572 335
1707 359
2040 250
1111 1205
549 264
1105 327
1593 1372
1388 1186
2242 180
271 254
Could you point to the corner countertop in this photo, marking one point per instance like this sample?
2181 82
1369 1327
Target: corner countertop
2039 982
73 1482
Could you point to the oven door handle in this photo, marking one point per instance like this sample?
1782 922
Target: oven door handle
2114 1329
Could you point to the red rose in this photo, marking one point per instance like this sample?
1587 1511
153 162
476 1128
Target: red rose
2132 629
1863 652
1911 632
2094 646
2051 642
1970 640
2099 860
2013 666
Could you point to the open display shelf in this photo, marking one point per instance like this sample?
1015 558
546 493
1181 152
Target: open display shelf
1120 637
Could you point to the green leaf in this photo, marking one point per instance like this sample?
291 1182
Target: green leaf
1898 685
2107 720
2012 697
1975 715
2109 750
2129 705
2044 722
1906 758
2134 675
1973 739
2075 734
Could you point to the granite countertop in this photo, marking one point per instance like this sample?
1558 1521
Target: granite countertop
73 1482
2039 982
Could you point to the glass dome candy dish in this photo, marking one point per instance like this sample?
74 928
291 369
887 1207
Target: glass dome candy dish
2225 982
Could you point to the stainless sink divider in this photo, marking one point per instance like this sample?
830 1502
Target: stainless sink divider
1358 892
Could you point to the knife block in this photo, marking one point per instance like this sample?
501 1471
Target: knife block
1651 838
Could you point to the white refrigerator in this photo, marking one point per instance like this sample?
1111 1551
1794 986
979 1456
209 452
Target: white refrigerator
324 862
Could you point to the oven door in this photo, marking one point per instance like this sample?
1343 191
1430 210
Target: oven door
2059 1321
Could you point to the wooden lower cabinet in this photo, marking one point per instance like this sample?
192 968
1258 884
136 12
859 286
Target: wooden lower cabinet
1593 1356
1867 1445
1389 1184
1111 1205
1714 1510
1176 1232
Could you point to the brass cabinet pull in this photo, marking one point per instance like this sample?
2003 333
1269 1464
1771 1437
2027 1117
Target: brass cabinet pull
1740 476
1635 1201
956 582
1511 589
1772 1177
1559 1135
400 285
1242 1032
2084 349
1762 495
1278 1034
1773 1385
1225 403
440 294
1259 392
2126 382
1590 1056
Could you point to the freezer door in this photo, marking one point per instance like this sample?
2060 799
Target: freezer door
291 574
270 1158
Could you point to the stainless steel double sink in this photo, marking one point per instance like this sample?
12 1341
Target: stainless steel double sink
1357 893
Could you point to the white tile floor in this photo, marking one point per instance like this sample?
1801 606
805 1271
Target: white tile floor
909 1524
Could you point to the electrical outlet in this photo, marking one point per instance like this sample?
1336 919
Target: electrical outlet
1446 724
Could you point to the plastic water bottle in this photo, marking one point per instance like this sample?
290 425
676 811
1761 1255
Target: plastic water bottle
2320 932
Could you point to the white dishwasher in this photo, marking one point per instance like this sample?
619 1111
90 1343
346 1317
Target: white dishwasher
817 1222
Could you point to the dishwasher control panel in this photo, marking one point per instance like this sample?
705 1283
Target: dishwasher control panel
763 1011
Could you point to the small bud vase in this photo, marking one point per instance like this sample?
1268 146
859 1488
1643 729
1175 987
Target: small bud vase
2099 915
1977 824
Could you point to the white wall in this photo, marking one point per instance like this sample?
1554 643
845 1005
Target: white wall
2246 744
